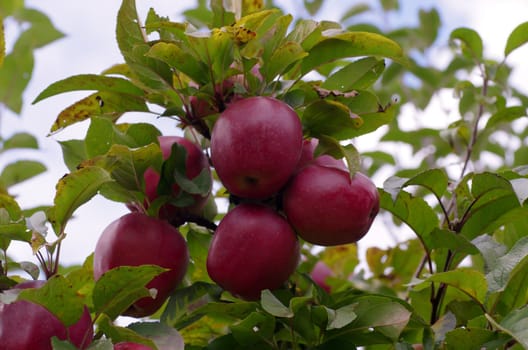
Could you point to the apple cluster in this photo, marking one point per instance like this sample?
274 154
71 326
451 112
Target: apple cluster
280 192
259 155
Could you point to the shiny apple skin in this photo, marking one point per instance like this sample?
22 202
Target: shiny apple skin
255 146
137 239
26 326
253 248
326 207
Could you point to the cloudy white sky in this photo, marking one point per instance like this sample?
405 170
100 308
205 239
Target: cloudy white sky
89 47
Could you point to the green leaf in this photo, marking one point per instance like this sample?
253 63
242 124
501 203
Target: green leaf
341 317
330 118
181 59
515 324
515 292
435 180
41 31
494 198
14 231
380 320
254 328
273 306
517 38
488 212
471 42
389 5
17 67
72 191
73 153
351 44
174 170
499 276
10 205
20 140
120 287
360 74
414 211
163 336
470 281
472 338
183 300
372 121
506 115
198 242
82 280
58 297
15 73
89 82
282 58
132 43
102 134
20 171
120 334
127 165
450 240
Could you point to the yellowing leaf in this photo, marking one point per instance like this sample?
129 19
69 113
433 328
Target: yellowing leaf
73 190
102 103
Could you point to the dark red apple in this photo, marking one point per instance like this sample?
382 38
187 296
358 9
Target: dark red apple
137 239
196 161
307 156
253 249
327 207
320 273
255 146
131 346
25 325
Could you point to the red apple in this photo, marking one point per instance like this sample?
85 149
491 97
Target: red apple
137 239
253 249
26 325
196 161
320 273
327 207
307 157
130 346
255 146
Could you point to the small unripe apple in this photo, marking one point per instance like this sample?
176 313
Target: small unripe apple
137 239
195 162
327 207
253 248
255 146
320 273
26 325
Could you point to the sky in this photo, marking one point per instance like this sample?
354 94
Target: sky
90 47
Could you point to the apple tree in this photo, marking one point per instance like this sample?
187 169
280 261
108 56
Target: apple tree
245 218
